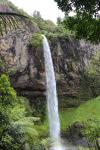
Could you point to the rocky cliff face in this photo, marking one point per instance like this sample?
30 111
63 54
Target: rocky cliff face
69 63
69 57
23 63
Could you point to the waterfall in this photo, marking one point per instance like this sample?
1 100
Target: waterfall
52 100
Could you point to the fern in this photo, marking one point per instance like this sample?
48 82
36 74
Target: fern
24 122
26 126
46 143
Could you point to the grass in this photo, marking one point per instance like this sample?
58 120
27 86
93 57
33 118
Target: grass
87 110
90 109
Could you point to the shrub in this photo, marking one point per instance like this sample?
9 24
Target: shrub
36 40
16 121
91 129
7 93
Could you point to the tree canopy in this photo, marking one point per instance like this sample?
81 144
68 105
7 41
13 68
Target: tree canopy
86 22
89 6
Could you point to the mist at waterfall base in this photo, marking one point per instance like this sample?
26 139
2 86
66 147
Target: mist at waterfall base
52 100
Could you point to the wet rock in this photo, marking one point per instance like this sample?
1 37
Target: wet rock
98 143
74 135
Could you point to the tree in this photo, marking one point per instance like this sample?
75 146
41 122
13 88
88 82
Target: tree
59 20
37 15
85 26
16 121
7 98
44 25
86 22
80 6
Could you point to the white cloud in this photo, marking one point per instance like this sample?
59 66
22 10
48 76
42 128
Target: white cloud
47 8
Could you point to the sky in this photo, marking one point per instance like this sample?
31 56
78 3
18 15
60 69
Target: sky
47 8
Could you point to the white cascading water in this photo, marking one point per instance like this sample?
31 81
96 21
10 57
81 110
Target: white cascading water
52 100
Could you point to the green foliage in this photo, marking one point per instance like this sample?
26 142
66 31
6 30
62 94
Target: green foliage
86 23
91 129
86 113
22 120
4 67
79 6
92 74
7 98
26 126
49 26
16 122
94 64
44 144
51 30
36 40
44 25
12 139
7 93
87 116
84 26
54 32
59 33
